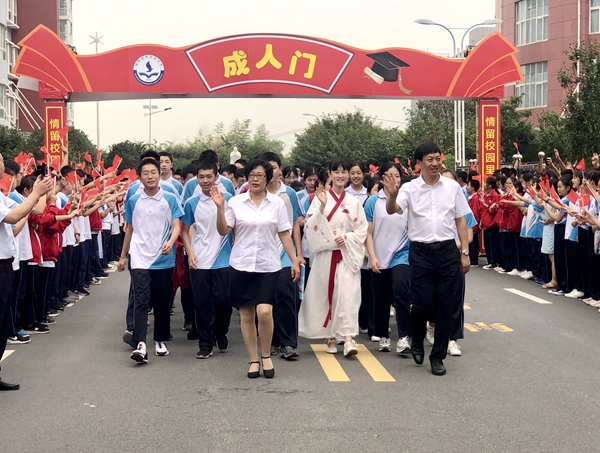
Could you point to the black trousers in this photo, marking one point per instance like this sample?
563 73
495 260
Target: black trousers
583 258
6 283
285 311
26 306
458 325
151 289
212 307
560 258
392 285
509 250
106 248
534 251
434 293
474 249
573 271
490 242
365 312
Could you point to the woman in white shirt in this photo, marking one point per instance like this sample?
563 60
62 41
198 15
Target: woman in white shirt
256 217
357 177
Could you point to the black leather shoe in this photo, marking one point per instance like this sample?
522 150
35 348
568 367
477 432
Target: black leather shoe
254 374
269 374
417 352
438 368
7 386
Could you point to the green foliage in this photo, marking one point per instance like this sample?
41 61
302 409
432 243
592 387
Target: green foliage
12 142
580 78
80 142
515 127
33 143
128 150
352 136
552 134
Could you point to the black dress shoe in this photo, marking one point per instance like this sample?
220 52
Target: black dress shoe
417 352
7 386
438 368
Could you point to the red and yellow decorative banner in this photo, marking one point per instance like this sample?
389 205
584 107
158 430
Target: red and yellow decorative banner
54 130
489 156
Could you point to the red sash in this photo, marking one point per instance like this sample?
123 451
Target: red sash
336 256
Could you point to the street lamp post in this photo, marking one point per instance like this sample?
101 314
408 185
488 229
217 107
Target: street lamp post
459 106
150 107
96 40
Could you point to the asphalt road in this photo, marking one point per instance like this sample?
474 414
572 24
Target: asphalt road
528 381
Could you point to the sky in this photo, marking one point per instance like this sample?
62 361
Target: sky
362 24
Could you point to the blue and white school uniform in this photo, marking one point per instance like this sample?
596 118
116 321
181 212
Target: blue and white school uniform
192 187
362 195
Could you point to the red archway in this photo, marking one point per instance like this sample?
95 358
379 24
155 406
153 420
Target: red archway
271 65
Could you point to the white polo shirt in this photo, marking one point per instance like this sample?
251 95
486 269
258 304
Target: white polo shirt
68 236
362 195
193 188
107 220
255 247
7 238
23 239
151 218
212 250
86 232
175 185
432 210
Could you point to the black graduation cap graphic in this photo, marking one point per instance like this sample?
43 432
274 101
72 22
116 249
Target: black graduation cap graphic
386 68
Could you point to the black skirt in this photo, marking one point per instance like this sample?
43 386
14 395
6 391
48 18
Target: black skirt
248 289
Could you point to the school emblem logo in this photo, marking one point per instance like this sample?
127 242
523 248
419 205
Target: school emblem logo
148 70
162 208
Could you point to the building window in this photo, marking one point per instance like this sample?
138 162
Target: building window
534 89
594 16
2 42
12 11
532 21
65 31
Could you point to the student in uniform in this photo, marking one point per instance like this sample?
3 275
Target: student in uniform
357 188
208 255
166 174
388 245
224 184
10 214
436 262
153 225
256 217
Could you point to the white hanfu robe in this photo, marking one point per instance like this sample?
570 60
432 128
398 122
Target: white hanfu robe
315 319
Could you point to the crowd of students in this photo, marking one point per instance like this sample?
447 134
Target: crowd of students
248 235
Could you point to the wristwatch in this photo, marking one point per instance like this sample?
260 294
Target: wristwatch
465 252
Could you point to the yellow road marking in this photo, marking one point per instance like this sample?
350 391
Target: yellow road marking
501 327
483 326
333 370
372 365
6 354
467 307
479 326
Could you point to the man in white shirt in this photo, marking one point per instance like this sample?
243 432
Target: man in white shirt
10 214
166 174
435 206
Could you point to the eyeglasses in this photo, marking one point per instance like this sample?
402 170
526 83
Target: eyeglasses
256 176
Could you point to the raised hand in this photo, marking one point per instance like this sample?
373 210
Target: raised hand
217 196
321 194
391 185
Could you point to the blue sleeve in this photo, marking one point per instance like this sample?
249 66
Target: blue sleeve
471 222
133 187
178 187
13 196
370 207
296 210
228 185
176 211
189 188
306 204
129 207
227 197
189 210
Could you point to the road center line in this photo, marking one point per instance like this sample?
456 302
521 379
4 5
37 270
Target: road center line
6 354
372 365
527 296
332 368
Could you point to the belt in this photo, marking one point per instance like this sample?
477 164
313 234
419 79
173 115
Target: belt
433 245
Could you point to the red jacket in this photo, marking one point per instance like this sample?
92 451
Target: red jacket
509 217
36 244
50 231
488 215
95 221
476 209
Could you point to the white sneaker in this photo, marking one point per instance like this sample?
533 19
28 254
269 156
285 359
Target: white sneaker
364 330
375 339
487 267
514 272
520 274
331 347
501 271
385 345
392 312
454 348
140 355
527 275
595 304
403 346
160 348
430 335
350 348
575 294
556 292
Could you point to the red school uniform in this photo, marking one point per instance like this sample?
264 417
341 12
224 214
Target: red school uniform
476 209
488 215
509 217
50 231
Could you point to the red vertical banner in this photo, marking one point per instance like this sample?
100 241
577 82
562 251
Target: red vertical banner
55 118
488 142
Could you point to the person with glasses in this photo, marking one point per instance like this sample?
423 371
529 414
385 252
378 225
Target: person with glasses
257 218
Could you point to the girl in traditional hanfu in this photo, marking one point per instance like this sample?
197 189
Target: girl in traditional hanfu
336 229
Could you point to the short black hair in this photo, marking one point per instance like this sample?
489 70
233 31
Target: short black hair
289 170
26 183
475 184
241 161
239 173
147 161
229 169
566 181
372 182
66 170
386 166
297 185
11 167
527 176
207 165
357 164
461 174
425 149
337 163
80 173
491 181
259 163
209 155
189 169
150 153
270 157
165 154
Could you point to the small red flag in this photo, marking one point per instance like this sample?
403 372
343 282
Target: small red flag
476 178
43 149
554 194
63 131
87 157
110 170
6 183
573 197
117 161
396 160
442 157
531 192
98 156
472 166
95 174
581 165
98 183
416 167
584 200
72 178
516 145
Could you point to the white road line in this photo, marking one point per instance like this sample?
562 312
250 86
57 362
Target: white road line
527 296
6 354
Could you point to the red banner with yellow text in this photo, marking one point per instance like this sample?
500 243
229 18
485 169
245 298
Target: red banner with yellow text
489 156
54 118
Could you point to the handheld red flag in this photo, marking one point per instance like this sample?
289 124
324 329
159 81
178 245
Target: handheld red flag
531 192
6 183
99 184
416 167
62 132
117 161
554 194
573 197
43 150
472 166
584 200
442 157
516 145
95 174
581 165
98 156
87 157
396 160
476 178
72 178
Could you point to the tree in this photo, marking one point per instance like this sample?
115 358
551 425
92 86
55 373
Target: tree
552 134
515 127
78 142
33 142
352 136
580 78
12 142
129 151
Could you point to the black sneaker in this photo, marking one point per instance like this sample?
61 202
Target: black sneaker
172 312
193 335
37 328
18 339
53 313
102 275
223 343
128 338
287 352
83 291
48 322
274 350
58 307
204 354
140 355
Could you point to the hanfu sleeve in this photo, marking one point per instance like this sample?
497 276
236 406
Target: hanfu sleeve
354 241
317 230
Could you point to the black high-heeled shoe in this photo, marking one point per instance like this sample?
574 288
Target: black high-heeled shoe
254 374
269 374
